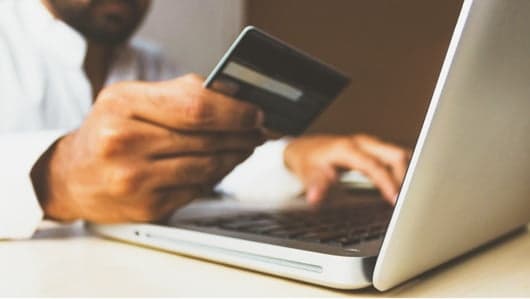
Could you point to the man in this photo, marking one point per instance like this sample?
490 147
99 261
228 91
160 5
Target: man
77 145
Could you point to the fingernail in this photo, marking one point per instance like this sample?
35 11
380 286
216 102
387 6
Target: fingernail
312 195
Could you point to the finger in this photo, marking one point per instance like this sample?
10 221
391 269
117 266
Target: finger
351 157
205 143
318 185
157 142
394 156
182 104
193 170
225 87
158 205
171 199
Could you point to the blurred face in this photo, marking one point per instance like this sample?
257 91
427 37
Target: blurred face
109 22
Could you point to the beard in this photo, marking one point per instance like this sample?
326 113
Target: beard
107 22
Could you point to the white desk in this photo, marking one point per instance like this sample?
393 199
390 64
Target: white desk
68 261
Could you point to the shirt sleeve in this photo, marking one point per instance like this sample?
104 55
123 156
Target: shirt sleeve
263 176
20 212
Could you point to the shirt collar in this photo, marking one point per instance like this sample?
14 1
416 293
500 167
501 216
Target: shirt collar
53 35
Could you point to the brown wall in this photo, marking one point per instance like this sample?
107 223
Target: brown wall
393 51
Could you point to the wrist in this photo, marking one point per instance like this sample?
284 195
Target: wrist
48 180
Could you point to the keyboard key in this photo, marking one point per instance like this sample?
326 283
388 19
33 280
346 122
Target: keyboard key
350 241
338 227
291 233
263 229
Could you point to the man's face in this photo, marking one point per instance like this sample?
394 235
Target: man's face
109 22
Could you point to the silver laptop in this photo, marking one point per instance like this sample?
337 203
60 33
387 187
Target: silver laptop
468 182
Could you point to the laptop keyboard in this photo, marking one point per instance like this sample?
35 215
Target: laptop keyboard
338 227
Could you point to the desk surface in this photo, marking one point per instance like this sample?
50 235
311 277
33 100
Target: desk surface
66 261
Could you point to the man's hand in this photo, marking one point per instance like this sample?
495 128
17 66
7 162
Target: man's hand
318 161
144 150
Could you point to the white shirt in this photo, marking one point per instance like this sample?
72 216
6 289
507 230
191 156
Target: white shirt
44 94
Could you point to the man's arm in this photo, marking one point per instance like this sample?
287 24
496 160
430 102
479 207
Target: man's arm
318 161
20 212
282 169
144 150
285 168
263 176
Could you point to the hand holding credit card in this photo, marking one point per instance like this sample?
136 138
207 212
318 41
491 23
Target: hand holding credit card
291 87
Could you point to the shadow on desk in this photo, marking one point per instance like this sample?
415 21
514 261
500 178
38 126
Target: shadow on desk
52 230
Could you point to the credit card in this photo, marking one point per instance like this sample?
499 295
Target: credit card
291 87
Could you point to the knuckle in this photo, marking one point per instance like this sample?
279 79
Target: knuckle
105 95
193 77
118 98
113 140
360 138
369 164
109 95
402 156
347 144
124 181
198 112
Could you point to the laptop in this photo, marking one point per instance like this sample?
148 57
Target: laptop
467 183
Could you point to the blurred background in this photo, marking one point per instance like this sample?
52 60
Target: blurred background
393 50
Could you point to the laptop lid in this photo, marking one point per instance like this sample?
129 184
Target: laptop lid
468 181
